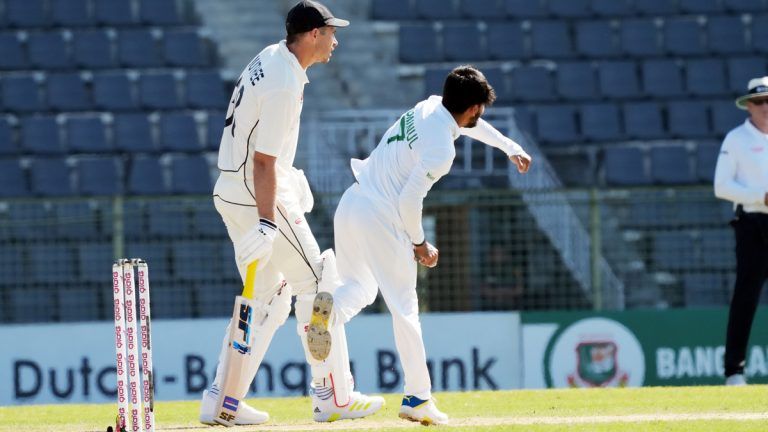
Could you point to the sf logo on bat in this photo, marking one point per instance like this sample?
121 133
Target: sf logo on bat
244 324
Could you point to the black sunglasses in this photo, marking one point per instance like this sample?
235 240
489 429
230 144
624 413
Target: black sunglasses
758 101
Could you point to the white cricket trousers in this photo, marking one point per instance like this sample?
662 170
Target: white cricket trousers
373 251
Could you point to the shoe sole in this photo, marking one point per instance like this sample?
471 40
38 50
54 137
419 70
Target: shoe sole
426 421
318 337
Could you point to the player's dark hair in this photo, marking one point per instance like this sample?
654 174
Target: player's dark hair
464 87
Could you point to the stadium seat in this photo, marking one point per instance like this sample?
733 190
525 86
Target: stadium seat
214 127
40 135
612 8
601 122
48 51
688 119
462 42
170 301
76 220
671 165
656 7
25 13
196 260
31 220
705 289
178 133
576 80
625 166
167 219
744 5
532 83
706 77
760 33
618 79
550 39
184 48
418 44
741 70
134 221
436 10
12 264
100 176
574 168
727 35
67 92
138 48
114 12
160 12
51 263
505 41
81 304
12 54
482 9
113 91
725 116
25 304
700 6
87 135
434 78
71 13
206 221
158 258
8 144
569 8
50 177
133 133
557 125
158 91
190 175
21 93
526 8
93 49
640 37
206 90
497 79
12 180
662 78
93 259
392 10
596 39
717 249
145 177
683 36
674 250
706 160
209 302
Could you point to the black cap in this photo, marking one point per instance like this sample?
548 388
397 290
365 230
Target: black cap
308 15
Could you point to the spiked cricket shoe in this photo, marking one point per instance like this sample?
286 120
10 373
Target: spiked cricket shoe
422 411
318 337
325 409
246 415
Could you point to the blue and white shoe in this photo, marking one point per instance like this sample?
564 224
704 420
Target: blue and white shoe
422 411
324 406
246 415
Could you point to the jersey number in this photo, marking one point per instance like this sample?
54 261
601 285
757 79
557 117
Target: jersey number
237 97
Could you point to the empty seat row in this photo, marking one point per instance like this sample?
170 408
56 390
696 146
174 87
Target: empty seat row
662 164
75 13
112 91
139 48
405 10
99 176
550 39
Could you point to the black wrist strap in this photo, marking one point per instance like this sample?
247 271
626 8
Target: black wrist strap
420 244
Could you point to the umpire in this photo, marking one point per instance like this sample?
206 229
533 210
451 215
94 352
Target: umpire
741 176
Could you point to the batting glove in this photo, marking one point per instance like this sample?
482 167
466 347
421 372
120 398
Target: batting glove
256 244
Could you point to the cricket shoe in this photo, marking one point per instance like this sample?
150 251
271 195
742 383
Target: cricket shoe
422 411
246 415
318 337
325 409
736 380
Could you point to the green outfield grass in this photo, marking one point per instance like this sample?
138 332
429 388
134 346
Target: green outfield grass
639 409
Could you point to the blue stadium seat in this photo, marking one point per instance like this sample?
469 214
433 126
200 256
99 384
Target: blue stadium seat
214 128
576 80
21 93
434 78
25 13
190 175
656 7
673 250
706 77
31 220
505 41
145 177
206 221
640 37
184 48
100 176
138 48
596 39
618 79
12 265
662 78
705 289
532 83
51 177
612 8
158 258
418 44
114 12
760 33
113 91
671 165
87 135
81 304
196 260
727 35
12 180
76 220
526 8
40 135
8 144
133 133
436 10
462 42
744 5
71 13
392 10
93 259
11 52
684 36
557 125
134 221
497 79
48 51
706 160
167 219
178 133
643 120
625 166
171 301
570 8
206 90
51 263
209 298
160 12
743 69
67 92
574 167
550 39
93 49
717 246
700 6
725 116
228 261
25 304
601 122
482 9
158 91
688 119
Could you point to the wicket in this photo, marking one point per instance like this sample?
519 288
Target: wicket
133 382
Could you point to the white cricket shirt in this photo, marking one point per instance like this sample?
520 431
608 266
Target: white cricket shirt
263 116
741 174
412 155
